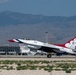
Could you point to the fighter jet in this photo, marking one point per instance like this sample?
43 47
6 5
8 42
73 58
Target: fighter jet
34 46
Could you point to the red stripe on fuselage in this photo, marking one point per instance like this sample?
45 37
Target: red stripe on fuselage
61 45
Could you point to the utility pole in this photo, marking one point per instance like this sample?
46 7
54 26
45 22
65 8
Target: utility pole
46 37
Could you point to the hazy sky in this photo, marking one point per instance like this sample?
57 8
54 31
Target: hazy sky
45 7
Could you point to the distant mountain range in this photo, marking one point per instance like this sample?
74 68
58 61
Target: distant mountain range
8 17
18 25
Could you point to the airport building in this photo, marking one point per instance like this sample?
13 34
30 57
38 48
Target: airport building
10 50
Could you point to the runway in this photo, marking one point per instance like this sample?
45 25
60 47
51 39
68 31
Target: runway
54 58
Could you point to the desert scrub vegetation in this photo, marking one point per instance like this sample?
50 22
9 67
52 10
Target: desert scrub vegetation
66 66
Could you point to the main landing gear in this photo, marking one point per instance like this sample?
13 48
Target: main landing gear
49 56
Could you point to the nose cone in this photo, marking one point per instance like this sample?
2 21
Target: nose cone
11 40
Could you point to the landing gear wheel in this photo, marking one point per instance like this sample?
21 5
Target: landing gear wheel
49 56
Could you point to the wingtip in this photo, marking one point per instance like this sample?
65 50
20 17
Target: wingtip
11 40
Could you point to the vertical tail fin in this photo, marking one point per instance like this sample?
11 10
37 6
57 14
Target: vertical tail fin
71 43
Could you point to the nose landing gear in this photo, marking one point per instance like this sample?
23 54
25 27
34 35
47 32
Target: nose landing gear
49 56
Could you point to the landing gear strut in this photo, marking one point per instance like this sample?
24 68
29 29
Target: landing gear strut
49 56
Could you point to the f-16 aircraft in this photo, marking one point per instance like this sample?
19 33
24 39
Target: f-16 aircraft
34 46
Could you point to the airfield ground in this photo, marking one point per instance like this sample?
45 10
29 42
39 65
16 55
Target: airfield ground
64 59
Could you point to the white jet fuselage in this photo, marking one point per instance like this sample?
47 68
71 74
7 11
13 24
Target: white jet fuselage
46 47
